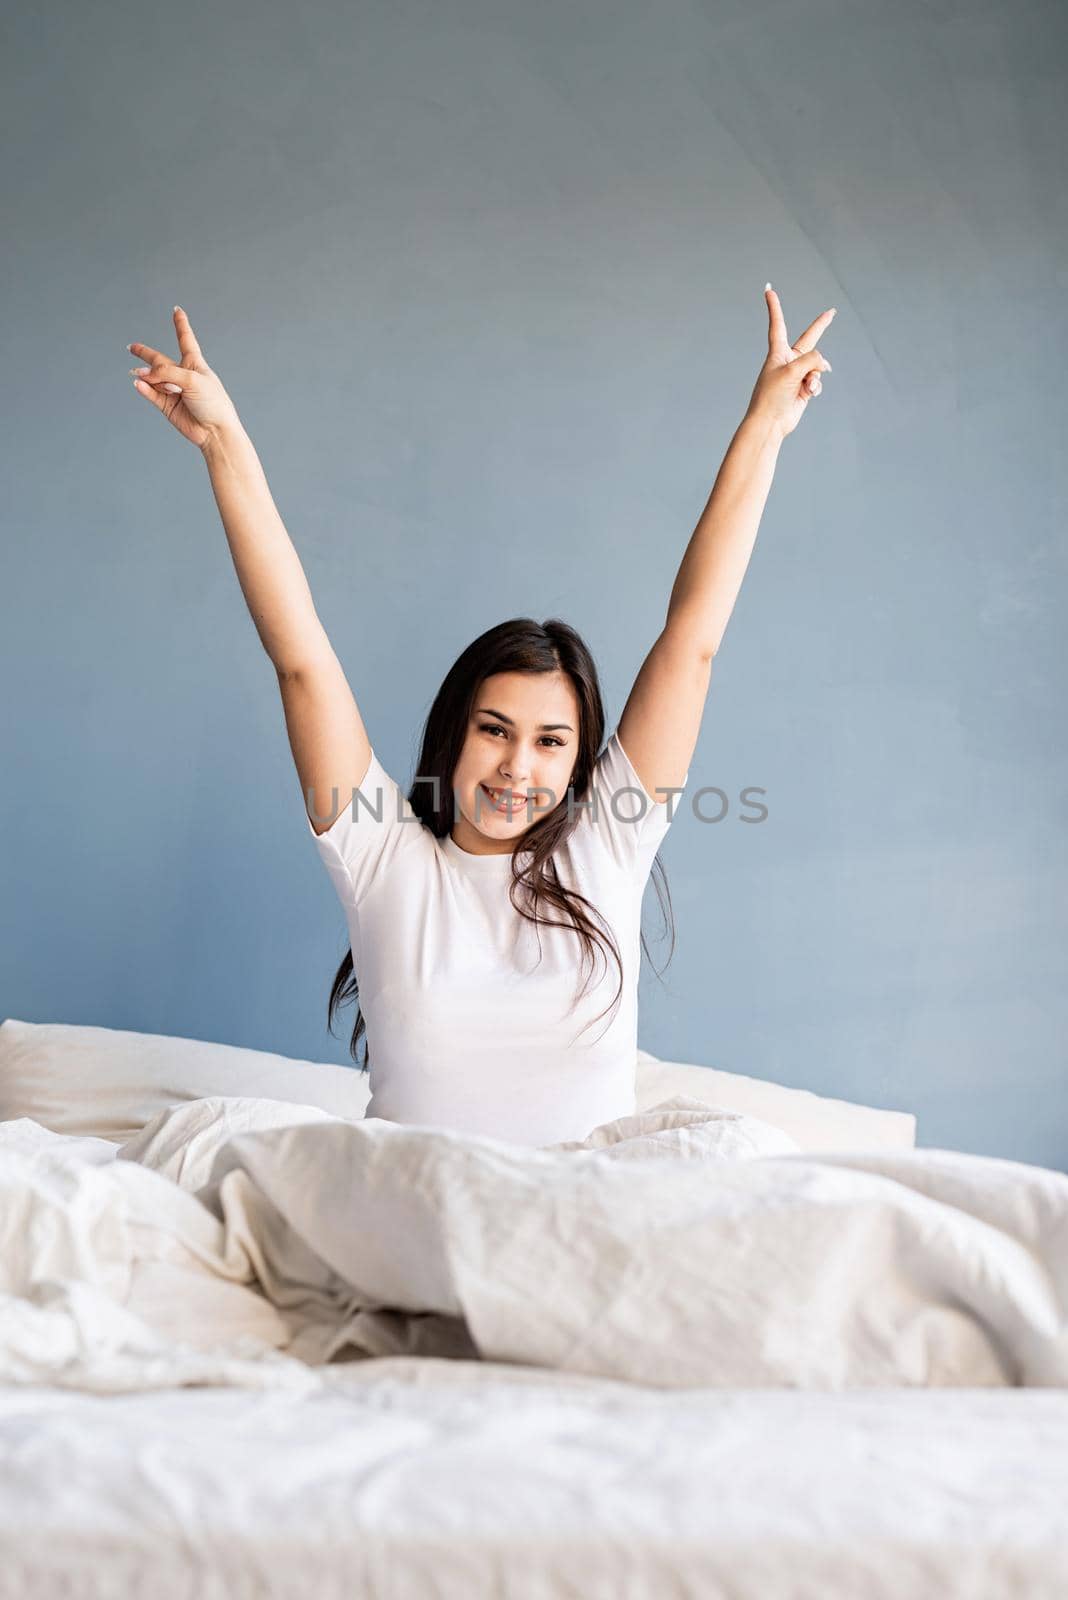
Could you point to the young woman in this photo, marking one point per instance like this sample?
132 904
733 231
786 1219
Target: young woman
521 844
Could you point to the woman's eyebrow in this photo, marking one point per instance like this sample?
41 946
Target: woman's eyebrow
546 727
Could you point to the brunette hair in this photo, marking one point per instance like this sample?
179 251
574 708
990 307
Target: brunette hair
519 645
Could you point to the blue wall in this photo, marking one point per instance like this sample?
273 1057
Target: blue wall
485 283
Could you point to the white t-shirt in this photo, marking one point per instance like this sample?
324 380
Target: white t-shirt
466 1029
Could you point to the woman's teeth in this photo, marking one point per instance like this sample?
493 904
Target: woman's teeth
501 800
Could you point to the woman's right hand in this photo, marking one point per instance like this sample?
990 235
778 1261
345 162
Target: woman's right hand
188 393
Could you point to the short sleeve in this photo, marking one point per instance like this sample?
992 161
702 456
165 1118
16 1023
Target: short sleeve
375 826
630 824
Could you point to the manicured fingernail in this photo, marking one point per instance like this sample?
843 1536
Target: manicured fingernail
767 286
173 387
130 348
140 372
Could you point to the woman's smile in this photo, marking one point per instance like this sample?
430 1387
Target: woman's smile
502 800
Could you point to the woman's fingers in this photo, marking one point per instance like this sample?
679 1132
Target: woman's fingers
146 389
187 339
146 352
776 321
812 333
190 352
809 361
166 374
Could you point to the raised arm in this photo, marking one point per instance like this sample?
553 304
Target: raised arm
662 717
327 737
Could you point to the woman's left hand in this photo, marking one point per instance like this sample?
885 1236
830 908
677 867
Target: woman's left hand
791 374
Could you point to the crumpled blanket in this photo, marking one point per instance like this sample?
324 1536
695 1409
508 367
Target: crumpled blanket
682 1247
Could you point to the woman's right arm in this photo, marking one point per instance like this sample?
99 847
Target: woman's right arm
327 737
331 749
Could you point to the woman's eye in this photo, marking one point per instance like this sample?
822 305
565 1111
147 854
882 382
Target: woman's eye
495 727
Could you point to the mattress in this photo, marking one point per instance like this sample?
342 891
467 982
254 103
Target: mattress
422 1477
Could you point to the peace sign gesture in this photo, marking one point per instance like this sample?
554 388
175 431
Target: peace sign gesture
188 393
790 375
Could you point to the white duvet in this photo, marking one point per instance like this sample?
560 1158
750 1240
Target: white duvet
683 1247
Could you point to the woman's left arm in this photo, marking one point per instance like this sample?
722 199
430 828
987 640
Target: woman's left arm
662 717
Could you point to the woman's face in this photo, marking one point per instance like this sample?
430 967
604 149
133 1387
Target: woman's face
523 736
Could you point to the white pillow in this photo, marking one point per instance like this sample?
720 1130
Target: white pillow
816 1122
107 1083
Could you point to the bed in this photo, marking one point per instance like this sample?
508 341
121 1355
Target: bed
492 1408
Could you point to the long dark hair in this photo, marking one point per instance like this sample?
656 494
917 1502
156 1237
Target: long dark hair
519 645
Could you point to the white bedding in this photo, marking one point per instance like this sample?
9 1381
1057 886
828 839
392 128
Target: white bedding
666 1249
453 1480
682 1362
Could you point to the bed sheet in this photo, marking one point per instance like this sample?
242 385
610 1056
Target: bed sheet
437 1479
665 1250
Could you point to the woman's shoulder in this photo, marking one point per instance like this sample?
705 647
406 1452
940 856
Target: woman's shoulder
617 818
375 832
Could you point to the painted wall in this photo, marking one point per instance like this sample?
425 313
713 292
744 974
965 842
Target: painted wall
486 285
